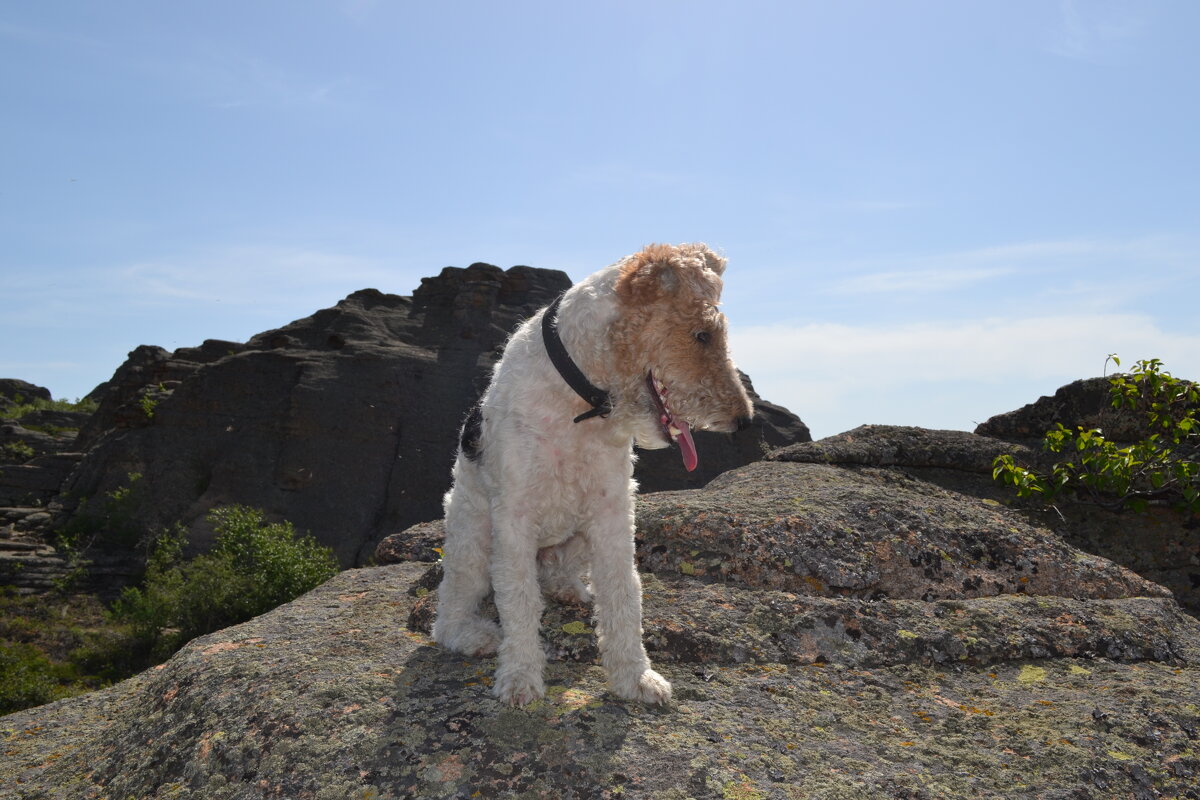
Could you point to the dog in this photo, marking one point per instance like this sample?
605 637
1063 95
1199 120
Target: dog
543 489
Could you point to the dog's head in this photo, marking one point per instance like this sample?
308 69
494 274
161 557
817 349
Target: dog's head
670 345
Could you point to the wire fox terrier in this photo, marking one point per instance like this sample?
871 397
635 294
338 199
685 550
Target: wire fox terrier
543 494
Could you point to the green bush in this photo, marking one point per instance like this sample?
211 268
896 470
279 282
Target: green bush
19 407
27 678
16 453
39 637
252 568
52 650
1162 467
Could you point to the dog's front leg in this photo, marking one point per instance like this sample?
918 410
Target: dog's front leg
617 591
519 601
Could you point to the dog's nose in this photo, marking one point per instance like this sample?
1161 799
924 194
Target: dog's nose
742 423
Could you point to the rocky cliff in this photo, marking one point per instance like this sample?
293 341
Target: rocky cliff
861 617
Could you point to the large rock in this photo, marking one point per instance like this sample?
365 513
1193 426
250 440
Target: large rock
831 630
14 390
1161 544
1085 403
344 422
867 534
36 432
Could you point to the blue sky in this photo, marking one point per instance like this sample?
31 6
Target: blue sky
933 211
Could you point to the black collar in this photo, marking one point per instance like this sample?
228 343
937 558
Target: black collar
597 398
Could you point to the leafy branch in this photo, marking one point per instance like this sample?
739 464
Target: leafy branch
1164 466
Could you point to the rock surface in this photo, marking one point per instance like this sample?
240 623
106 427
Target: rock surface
834 627
345 422
331 697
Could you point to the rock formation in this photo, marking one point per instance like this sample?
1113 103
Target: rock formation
36 456
861 617
1085 403
13 391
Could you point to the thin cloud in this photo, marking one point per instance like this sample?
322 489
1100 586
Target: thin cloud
839 376
966 268
613 173
920 280
228 79
358 10
251 275
877 206
1094 30
44 36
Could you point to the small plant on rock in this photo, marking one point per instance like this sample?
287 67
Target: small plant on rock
1162 467
16 453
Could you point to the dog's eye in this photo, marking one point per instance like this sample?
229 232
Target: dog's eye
703 337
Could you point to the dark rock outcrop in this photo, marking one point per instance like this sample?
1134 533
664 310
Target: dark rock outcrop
14 390
35 432
834 626
1083 403
19 444
344 422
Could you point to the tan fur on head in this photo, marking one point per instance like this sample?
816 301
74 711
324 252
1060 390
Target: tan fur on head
670 325
660 268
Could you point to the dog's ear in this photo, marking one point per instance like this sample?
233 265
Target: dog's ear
702 252
663 269
648 275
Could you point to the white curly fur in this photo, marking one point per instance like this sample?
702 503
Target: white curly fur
546 502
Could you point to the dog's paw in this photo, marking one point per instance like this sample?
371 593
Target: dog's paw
518 687
648 687
572 594
476 637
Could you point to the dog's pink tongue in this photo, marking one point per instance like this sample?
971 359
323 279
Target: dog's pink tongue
687 448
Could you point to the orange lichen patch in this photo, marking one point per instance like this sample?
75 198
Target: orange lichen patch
814 583
976 710
222 647
572 699
204 749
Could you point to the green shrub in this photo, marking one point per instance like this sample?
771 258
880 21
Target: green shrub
56 649
150 399
1163 466
109 523
16 452
252 568
19 407
27 678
